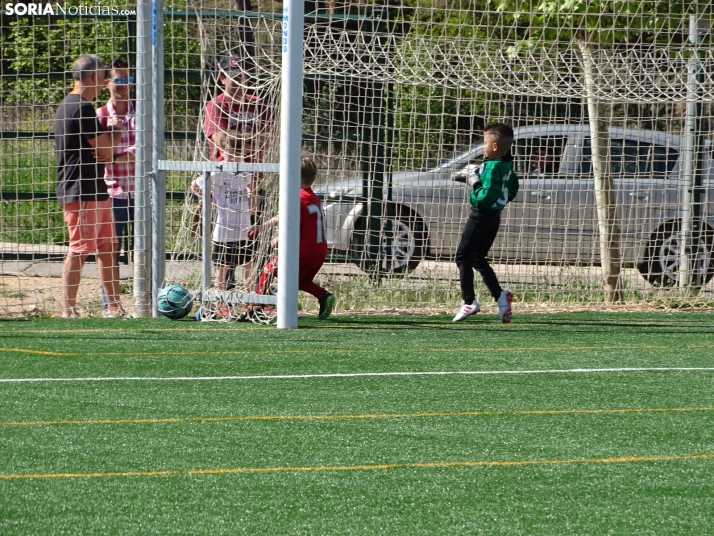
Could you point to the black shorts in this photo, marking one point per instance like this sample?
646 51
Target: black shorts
232 254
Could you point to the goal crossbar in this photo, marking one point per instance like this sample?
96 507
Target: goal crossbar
211 167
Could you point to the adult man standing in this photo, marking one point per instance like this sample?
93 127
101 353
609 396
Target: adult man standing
82 147
235 112
119 114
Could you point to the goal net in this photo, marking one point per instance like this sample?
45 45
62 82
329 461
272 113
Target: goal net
611 104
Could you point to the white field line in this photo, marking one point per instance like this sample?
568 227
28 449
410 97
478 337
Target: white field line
357 375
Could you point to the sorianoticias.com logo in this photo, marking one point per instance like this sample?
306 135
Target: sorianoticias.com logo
63 9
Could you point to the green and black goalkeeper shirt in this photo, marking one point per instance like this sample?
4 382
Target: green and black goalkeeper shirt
494 184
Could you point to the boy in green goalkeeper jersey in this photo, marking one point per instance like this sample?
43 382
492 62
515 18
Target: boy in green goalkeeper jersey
494 184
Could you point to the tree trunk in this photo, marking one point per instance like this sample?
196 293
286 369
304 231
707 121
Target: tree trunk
604 186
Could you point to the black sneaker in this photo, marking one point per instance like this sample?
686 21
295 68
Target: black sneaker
327 302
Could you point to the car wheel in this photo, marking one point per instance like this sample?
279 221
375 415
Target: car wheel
401 247
662 256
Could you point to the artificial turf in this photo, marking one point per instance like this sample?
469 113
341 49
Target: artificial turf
581 452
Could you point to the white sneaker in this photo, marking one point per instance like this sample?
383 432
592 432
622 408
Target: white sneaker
120 313
504 306
466 311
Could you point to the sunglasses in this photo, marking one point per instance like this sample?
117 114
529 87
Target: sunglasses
123 81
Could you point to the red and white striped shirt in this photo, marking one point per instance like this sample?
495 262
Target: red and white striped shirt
119 176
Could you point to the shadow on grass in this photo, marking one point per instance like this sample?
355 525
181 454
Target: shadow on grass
586 321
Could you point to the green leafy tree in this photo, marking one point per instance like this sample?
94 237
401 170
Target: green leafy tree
426 111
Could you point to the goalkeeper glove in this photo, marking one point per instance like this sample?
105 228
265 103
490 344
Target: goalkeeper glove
474 181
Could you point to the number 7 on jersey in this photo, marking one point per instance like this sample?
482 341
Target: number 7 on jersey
321 225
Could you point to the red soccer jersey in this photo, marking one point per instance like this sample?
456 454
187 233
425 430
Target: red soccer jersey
313 239
246 116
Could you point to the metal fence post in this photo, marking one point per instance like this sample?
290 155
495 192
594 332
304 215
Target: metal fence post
691 170
158 177
142 215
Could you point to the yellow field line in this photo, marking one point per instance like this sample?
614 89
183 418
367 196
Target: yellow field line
29 351
359 350
370 467
351 416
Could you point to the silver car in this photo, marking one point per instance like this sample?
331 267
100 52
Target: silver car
552 220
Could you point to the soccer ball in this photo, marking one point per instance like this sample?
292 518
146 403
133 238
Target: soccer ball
174 302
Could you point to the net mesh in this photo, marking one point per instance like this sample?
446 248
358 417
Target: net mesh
395 97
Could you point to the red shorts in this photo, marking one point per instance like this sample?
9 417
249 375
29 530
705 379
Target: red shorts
307 271
90 224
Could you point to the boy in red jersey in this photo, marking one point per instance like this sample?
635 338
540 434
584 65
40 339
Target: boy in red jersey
313 242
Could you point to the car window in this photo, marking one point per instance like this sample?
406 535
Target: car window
475 161
633 157
664 159
627 157
458 164
457 161
538 156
